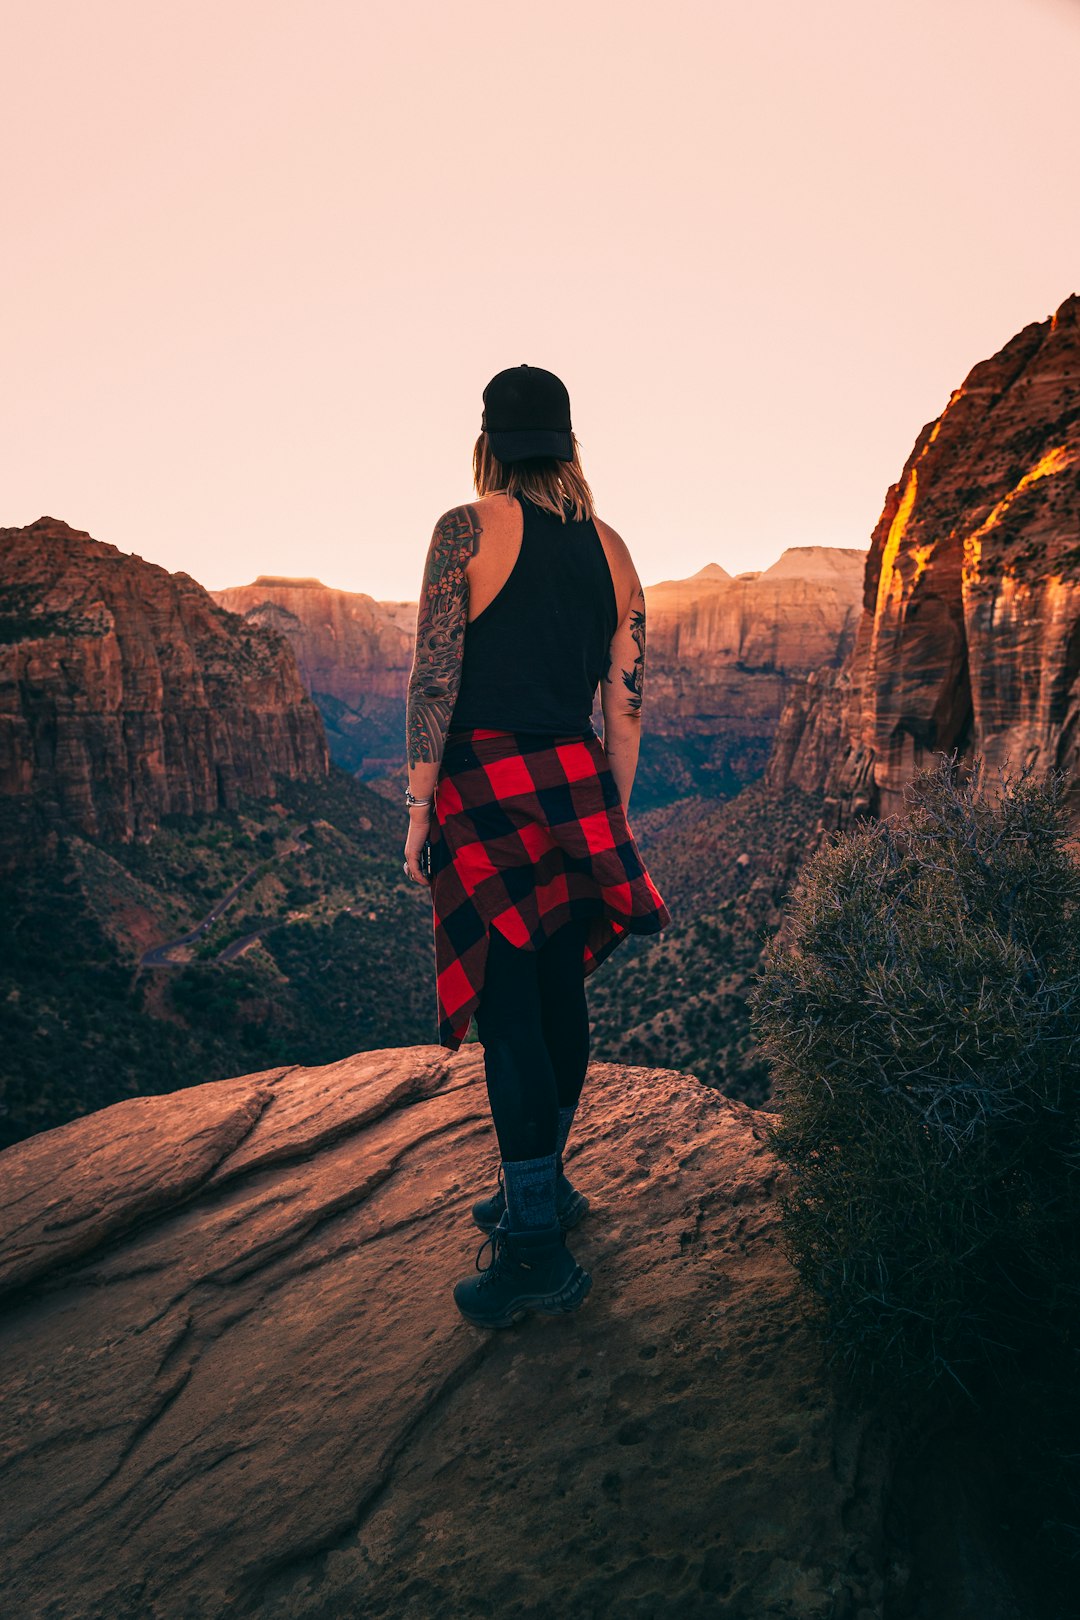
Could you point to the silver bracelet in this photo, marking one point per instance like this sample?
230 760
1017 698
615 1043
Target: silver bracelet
410 799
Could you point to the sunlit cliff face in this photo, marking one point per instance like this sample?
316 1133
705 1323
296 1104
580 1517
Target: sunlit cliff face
921 557
1053 461
891 579
970 636
894 554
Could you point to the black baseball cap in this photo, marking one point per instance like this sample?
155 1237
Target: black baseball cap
527 413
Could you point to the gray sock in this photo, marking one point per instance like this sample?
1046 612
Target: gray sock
566 1119
530 1192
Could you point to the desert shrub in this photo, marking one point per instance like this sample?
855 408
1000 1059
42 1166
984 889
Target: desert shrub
920 1011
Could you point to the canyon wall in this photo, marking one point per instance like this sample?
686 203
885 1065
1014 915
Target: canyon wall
723 656
969 636
127 694
354 655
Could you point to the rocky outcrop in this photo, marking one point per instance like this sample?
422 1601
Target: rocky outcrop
354 656
403 614
724 655
127 694
711 574
970 633
809 734
234 1380
711 635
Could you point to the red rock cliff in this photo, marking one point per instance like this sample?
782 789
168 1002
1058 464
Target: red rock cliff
725 654
354 656
345 643
970 632
126 693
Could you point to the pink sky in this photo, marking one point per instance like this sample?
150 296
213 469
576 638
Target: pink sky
261 258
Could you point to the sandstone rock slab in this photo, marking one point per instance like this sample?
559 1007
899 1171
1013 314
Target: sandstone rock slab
259 1399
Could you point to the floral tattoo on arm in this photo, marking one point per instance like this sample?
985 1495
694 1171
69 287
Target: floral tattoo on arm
440 633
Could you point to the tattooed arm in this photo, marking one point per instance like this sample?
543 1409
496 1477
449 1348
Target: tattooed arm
435 677
440 632
621 693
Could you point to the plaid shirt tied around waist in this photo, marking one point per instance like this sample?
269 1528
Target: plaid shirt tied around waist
528 831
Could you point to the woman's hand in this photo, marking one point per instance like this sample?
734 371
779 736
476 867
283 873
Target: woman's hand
419 827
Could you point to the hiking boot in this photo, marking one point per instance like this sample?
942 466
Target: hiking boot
530 1270
571 1206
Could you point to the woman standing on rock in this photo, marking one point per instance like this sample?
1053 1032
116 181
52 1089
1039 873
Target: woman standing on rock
528 603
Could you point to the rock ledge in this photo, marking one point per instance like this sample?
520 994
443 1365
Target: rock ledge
233 1378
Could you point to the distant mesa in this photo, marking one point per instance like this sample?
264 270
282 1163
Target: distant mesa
354 655
725 654
287 579
704 576
240 598
817 562
796 562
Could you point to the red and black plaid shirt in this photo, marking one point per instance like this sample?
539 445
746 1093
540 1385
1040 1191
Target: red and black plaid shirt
528 831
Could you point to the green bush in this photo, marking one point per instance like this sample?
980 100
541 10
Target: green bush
920 1011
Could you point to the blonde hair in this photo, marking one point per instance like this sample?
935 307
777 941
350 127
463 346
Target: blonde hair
554 485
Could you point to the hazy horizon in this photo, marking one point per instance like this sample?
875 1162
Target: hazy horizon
263 261
333 584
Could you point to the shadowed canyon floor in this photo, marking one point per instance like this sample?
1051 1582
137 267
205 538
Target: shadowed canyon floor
234 1380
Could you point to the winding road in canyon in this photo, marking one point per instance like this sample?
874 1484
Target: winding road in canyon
161 955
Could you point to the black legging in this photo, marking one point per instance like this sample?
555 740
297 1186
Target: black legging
533 1021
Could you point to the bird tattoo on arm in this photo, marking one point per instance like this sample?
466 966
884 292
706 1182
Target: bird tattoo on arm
634 679
441 618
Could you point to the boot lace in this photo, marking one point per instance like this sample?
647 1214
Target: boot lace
497 1239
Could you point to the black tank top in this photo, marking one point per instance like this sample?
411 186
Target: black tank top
534 656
